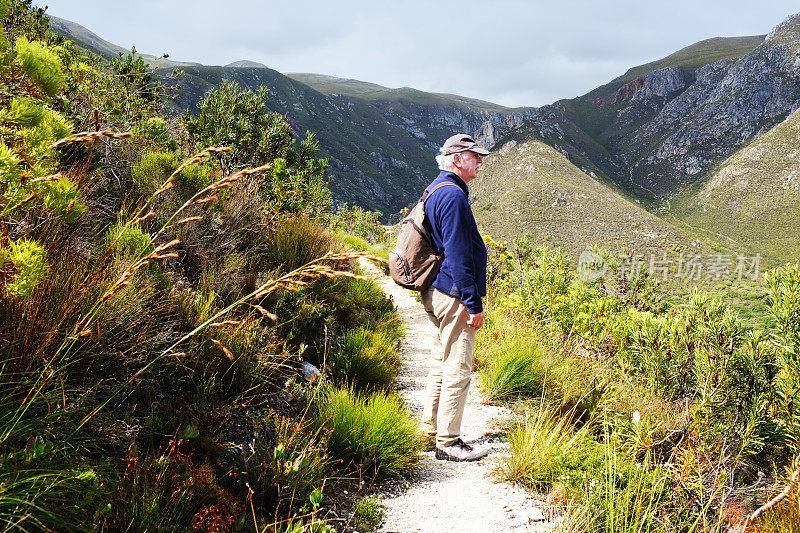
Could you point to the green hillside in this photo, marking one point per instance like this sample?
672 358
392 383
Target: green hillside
372 91
90 41
531 187
754 196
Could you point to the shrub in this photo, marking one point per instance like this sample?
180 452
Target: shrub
171 493
360 223
153 169
289 470
127 240
784 295
155 131
373 431
27 112
63 198
367 358
9 165
41 64
29 260
368 513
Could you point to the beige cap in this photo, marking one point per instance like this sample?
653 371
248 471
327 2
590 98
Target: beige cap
461 142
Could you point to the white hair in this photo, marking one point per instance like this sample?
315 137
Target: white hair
445 162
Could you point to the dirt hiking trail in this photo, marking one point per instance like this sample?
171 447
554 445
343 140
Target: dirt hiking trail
444 496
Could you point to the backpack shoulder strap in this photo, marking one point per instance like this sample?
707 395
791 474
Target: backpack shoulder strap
427 193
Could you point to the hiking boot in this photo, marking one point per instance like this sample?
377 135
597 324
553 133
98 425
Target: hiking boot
460 451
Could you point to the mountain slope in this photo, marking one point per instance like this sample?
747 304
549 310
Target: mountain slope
88 40
380 142
377 93
530 187
754 196
653 132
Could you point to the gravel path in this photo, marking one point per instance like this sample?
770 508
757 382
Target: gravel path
443 496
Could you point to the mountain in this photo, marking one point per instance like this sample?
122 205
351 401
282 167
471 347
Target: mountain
88 40
531 187
381 150
380 142
332 85
664 125
754 196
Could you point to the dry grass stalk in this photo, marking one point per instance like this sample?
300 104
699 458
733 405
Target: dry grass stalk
207 199
145 218
189 219
125 279
777 499
264 312
91 137
227 352
211 150
167 185
31 197
225 323
51 177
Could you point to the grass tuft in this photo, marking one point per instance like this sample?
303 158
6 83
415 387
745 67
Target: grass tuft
373 432
366 359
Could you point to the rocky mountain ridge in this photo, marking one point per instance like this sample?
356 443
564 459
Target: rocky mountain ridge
654 134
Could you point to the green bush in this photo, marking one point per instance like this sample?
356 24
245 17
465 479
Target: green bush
63 198
370 431
368 513
27 112
366 359
360 223
127 240
41 64
546 449
784 295
153 169
30 262
9 165
155 131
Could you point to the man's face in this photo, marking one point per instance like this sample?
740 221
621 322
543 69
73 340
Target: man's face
470 165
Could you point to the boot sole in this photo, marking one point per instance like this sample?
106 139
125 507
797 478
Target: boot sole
447 457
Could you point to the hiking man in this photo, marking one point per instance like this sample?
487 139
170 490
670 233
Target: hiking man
453 302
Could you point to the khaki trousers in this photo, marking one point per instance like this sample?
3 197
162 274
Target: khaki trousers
452 346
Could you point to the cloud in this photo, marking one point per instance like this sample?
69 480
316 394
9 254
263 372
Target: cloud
508 51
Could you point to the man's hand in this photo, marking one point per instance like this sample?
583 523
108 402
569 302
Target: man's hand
475 321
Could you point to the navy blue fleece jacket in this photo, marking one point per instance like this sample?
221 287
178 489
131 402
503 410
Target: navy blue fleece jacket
455 234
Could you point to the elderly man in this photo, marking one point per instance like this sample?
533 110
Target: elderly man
453 302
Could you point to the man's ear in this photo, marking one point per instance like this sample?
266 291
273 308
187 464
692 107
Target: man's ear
459 161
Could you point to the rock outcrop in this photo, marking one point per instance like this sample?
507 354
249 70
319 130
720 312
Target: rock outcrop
655 134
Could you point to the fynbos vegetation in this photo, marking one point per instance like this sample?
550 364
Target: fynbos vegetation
171 300
637 415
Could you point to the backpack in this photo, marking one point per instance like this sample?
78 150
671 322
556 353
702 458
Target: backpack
413 263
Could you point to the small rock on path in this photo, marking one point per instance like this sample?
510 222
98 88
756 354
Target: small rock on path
443 496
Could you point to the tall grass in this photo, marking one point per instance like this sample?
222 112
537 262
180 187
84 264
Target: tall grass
372 432
366 359
547 448
520 368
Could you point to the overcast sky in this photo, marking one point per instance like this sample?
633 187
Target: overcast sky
515 53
